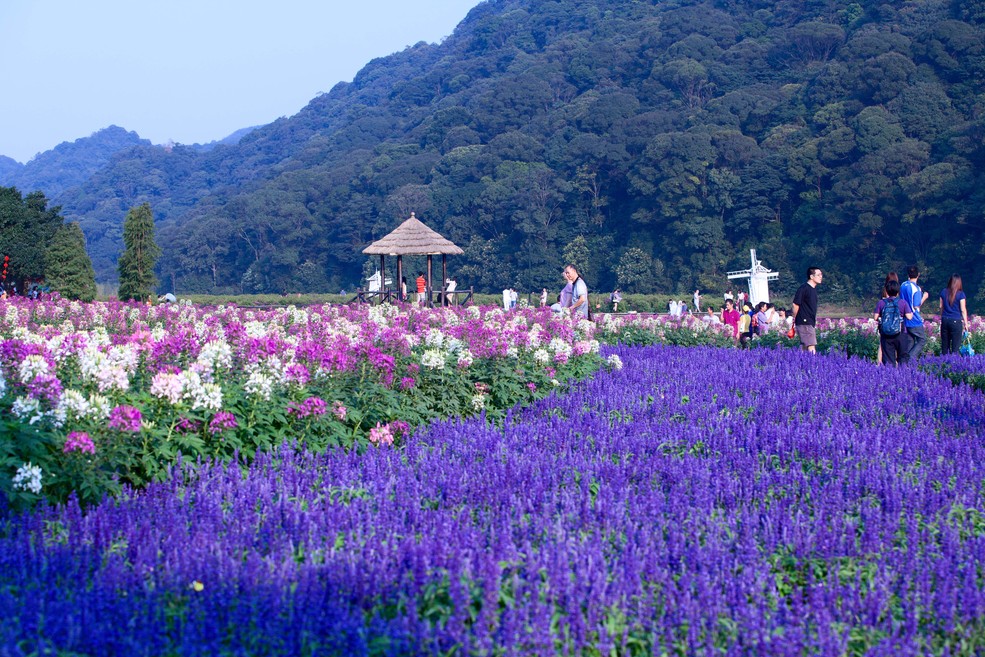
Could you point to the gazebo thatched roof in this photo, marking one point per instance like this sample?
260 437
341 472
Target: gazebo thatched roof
412 238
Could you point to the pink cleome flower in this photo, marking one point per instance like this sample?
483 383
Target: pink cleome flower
221 421
79 441
339 410
125 418
381 435
310 406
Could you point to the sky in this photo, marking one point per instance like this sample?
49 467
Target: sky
188 71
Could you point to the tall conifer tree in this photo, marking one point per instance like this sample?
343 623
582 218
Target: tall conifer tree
69 270
140 254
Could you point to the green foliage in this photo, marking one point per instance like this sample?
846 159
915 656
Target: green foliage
136 265
27 227
69 269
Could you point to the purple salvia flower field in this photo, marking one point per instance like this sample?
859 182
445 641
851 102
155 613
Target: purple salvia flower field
696 501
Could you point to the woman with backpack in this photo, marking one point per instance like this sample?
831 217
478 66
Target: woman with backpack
954 315
891 276
890 312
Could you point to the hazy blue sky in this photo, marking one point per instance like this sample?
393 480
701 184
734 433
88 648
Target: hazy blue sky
188 70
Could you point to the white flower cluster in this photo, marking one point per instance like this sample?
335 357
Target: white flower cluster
258 383
614 361
434 338
32 367
109 369
541 356
433 359
475 312
216 354
3 385
559 346
28 477
380 315
478 402
10 316
28 408
187 386
256 329
74 405
297 315
465 358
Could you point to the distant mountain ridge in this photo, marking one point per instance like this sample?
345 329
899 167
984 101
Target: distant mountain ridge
69 164
654 143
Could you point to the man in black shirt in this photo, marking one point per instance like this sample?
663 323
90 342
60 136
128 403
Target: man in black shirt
805 310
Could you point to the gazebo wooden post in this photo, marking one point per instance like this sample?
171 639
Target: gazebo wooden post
400 278
444 279
430 286
382 278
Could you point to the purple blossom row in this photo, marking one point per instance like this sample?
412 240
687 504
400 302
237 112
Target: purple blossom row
695 502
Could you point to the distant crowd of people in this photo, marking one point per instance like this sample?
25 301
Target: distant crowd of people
902 332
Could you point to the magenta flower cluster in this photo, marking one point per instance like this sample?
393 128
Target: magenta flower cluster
125 418
310 407
222 421
79 441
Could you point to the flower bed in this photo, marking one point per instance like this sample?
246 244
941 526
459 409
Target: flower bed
958 369
697 501
96 396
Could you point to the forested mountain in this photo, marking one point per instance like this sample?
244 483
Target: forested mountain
70 163
666 138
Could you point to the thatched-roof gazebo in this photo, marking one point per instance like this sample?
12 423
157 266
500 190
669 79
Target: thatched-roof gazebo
412 237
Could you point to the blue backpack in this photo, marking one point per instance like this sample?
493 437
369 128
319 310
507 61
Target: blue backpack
889 321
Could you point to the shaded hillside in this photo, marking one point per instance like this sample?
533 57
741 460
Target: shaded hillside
671 137
70 163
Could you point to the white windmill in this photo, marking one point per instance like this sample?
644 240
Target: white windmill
759 277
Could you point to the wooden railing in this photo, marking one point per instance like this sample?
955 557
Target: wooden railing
439 298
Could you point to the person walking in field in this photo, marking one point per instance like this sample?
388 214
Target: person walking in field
890 312
805 310
954 315
911 292
579 297
891 276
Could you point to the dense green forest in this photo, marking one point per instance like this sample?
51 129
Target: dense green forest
663 139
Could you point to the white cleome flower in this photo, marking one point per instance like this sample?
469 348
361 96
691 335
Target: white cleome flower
259 385
216 354
166 385
433 359
27 408
32 367
28 477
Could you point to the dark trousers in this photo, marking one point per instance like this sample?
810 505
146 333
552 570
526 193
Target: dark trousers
892 348
917 341
951 331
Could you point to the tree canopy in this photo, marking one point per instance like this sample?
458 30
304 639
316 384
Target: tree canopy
68 267
136 265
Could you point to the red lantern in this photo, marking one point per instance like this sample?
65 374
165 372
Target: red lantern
6 263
